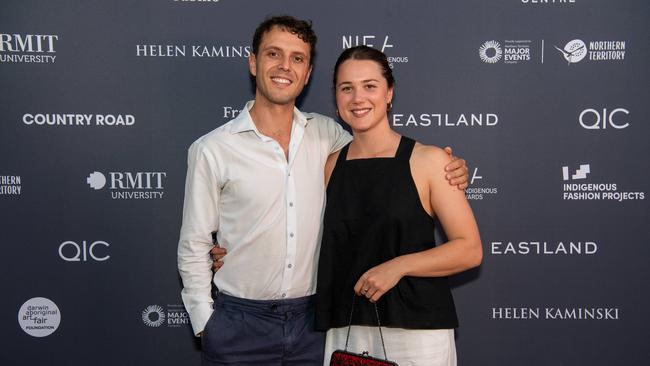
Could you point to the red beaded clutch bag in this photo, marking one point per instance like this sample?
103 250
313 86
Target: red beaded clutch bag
346 358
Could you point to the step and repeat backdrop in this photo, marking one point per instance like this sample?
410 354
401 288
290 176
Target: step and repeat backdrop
548 101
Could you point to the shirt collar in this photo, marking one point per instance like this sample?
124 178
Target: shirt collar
243 122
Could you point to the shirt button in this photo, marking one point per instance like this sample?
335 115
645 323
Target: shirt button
291 235
290 204
284 295
289 266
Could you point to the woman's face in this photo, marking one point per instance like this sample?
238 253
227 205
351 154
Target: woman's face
362 94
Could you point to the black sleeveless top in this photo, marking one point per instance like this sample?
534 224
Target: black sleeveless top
374 214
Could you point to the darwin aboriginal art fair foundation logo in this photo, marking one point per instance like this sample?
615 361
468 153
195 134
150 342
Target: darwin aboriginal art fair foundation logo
129 185
39 317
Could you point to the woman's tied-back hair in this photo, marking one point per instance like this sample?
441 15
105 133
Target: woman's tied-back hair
366 53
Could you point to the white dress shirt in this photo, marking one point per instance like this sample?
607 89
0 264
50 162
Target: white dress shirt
267 211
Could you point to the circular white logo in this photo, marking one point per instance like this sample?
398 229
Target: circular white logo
39 317
153 316
490 52
96 180
574 51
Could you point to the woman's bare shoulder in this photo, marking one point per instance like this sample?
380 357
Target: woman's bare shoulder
429 156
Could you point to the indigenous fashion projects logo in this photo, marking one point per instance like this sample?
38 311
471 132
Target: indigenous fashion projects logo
129 185
578 186
28 48
39 317
173 316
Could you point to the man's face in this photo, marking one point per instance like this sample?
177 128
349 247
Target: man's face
281 67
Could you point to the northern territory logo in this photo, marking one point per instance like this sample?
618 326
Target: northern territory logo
574 51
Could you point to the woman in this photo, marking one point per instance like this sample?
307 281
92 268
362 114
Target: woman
384 191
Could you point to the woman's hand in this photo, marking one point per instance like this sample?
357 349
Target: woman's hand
379 279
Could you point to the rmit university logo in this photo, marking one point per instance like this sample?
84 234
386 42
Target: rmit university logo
574 51
129 185
28 48
581 173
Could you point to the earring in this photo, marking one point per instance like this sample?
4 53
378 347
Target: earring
389 106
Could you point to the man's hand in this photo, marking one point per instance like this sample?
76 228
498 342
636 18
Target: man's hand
217 257
457 172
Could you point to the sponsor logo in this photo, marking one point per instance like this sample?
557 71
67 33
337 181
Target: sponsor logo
580 173
129 185
153 316
174 316
445 119
577 50
581 190
28 48
543 248
555 313
512 52
230 112
71 251
39 317
574 51
196 1
382 43
479 191
544 2
75 119
193 51
592 119
10 185
490 52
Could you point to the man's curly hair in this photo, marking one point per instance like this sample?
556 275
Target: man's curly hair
301 28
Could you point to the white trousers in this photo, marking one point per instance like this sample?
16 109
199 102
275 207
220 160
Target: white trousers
406 347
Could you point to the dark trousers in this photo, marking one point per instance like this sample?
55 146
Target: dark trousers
262 332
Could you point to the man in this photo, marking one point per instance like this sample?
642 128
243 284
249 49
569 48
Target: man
258 182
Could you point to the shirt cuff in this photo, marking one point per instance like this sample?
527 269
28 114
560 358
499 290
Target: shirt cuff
199 317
